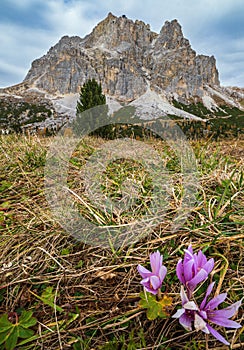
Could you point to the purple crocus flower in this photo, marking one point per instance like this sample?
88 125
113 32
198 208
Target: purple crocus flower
152 280
207 313
194 269
186 315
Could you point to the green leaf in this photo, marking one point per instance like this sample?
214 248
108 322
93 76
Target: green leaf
25 316
28 340
5 328
4 322
26 320
11 341
25 333
9 332
47 298
154 307
48 293
152 312
29 323
65 251
72 318
4 336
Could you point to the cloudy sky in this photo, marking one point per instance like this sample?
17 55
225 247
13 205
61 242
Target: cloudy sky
28 28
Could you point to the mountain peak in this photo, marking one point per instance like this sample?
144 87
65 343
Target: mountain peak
110 15
173 25
112 31
127 58
171 36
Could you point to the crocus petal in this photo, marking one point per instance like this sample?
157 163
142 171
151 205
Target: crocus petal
180 272
205 329
190 305
179 313
209 265
162 273
224 322
203 314
150 290
200 276
188 256
156 261
196 266
143 271
189 250
186 322
213 303
200 324
228 311
201 258
188 273
183 296
208 292
145 281
217 335
155 282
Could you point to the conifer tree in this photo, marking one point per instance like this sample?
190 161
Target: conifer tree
90 96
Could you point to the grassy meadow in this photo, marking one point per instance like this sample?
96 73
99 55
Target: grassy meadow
85 297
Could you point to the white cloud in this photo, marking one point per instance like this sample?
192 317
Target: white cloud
69 18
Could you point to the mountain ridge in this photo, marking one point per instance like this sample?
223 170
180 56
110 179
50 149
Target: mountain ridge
125 56
132 63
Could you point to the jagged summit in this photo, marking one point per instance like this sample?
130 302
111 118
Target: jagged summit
116 30
171 36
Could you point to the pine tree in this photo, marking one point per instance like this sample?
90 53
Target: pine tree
90 96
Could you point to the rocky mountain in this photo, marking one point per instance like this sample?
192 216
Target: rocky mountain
126 57
134 65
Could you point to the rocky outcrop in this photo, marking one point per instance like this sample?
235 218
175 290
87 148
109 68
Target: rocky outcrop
126 57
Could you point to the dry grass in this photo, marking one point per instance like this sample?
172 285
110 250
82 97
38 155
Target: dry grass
98 289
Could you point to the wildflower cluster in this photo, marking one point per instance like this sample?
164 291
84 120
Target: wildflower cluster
192 270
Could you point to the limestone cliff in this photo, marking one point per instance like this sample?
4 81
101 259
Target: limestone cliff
126 57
